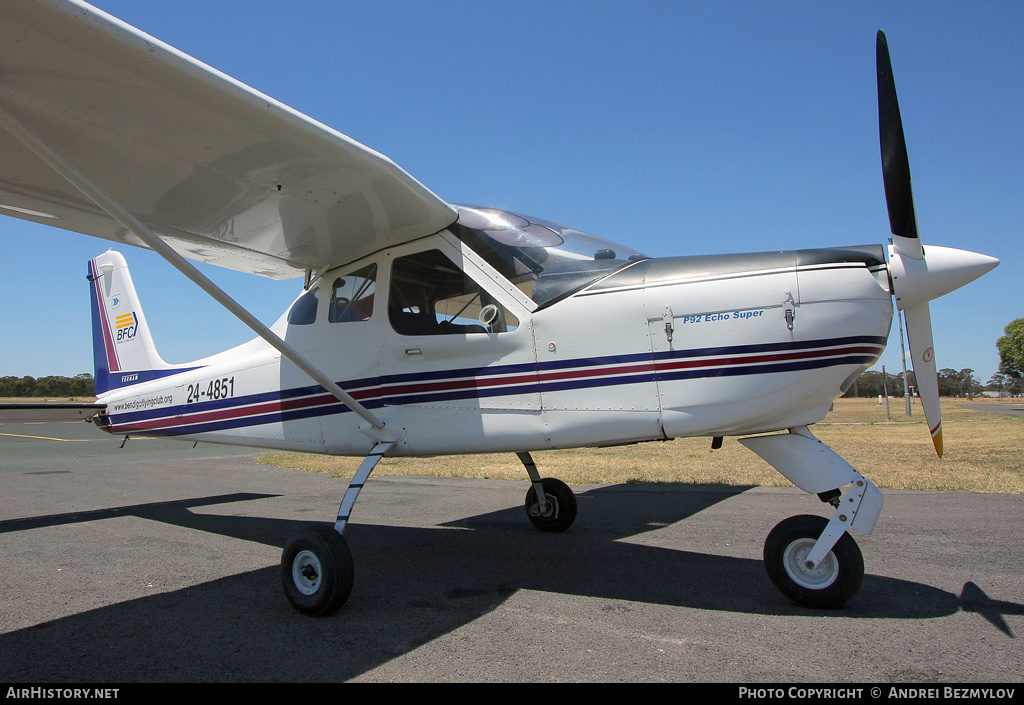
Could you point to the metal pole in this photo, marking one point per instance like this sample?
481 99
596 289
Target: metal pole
885 391
903 354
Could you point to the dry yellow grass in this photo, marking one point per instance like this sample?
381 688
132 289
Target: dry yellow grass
984 452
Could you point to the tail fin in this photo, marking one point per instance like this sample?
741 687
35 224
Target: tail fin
123 349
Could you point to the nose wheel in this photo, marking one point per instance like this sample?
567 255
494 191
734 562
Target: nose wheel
829 584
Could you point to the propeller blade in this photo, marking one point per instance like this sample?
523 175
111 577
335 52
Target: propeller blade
919 336
915 280
906 242
899 196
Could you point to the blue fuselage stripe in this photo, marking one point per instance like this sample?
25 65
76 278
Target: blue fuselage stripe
472 383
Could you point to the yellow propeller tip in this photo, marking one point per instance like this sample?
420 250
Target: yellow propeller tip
937 440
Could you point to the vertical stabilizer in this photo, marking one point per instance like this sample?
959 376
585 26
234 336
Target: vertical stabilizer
123 349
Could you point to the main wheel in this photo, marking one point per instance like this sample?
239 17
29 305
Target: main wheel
836 579
561 509
316 570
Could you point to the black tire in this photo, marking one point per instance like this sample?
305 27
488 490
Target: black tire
317 571
561 501
836 579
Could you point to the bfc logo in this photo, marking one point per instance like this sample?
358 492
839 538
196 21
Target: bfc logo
126 326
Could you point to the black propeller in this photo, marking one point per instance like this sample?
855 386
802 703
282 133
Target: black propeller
906 243
916 280
895 164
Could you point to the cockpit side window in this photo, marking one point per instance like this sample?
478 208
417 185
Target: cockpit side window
303 311
430 295
352 296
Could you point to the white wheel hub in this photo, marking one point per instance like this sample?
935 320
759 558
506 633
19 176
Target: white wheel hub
307 572
795 562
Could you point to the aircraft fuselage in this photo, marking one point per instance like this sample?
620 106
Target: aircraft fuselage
659 348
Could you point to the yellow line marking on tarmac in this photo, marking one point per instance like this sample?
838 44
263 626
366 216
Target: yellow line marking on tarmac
47 438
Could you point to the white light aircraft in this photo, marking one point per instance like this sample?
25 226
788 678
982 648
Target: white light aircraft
428 328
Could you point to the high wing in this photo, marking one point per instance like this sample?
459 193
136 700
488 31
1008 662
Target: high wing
220 172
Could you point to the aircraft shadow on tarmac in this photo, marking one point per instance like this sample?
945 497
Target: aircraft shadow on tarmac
414 585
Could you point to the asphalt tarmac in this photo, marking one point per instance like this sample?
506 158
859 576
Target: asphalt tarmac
159 562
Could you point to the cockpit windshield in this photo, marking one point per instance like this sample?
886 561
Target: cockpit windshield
545 260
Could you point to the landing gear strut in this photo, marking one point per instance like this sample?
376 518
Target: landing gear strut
316 565
814 561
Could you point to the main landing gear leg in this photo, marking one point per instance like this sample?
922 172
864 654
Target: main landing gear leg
550 503
316 565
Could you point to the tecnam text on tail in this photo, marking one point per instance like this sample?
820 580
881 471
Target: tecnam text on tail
429 328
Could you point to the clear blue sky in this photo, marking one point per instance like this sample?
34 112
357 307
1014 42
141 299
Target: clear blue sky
677 127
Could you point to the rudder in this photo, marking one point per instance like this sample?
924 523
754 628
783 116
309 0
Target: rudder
123 349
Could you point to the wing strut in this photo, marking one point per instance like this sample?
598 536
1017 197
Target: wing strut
95 194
